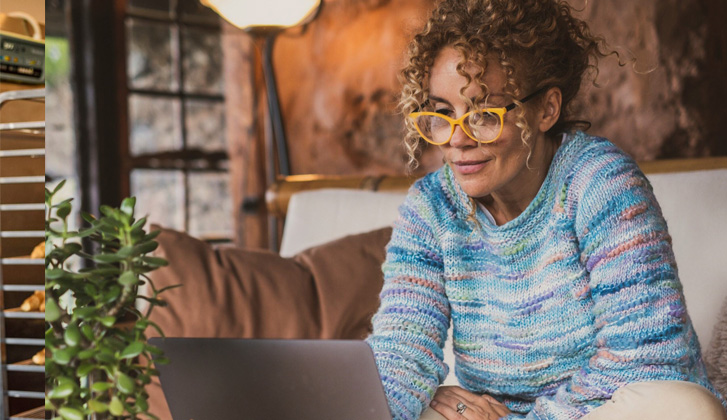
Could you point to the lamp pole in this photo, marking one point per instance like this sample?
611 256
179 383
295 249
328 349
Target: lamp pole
278 141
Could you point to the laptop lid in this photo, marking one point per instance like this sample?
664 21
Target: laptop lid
255 379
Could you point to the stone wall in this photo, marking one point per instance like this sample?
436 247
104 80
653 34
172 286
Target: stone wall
338 88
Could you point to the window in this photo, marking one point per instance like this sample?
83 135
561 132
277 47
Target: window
175 159
61 151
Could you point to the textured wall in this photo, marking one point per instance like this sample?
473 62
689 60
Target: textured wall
338 87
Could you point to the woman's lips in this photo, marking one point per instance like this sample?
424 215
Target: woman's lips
467 167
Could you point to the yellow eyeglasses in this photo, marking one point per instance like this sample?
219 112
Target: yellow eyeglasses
483 125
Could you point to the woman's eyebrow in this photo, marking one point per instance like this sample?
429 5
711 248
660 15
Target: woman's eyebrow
438 99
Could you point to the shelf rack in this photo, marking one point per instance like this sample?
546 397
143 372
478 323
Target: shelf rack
22 178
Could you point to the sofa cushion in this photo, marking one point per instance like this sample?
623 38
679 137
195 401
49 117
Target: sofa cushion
327 291
322 292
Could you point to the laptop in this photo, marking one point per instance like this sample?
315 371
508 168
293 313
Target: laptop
256 379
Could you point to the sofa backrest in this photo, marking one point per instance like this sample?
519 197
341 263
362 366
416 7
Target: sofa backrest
694 204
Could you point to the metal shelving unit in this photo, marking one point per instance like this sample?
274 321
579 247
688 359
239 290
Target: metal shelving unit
22 207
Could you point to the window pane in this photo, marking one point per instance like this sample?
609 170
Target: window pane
202 61
154 124
210 205
152 56
159 196
152 8
60 156
194 11
205 121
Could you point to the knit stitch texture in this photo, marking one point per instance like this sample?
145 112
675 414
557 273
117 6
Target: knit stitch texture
552 311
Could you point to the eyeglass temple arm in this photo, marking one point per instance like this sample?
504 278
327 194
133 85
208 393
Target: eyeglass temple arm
527 98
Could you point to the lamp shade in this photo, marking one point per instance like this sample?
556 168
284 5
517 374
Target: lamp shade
249 14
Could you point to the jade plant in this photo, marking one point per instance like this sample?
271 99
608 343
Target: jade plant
98 361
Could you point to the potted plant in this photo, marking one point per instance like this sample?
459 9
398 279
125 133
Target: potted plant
97 366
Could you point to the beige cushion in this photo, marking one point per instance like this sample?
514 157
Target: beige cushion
319 216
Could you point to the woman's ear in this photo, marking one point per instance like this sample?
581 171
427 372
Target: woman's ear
550 111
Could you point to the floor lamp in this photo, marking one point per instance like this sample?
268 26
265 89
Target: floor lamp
265 20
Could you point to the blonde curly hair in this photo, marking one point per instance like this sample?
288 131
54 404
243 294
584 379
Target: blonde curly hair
538 43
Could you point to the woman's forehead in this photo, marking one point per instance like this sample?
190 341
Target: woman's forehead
444 75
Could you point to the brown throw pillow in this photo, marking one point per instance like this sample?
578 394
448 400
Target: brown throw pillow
328 291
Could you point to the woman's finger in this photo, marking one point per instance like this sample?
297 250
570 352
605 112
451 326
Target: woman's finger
447 403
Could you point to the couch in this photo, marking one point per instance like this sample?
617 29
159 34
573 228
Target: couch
325 280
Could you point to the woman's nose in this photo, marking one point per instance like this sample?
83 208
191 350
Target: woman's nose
460 138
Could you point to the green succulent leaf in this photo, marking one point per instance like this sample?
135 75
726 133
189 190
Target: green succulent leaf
128 279
127 206
101 386
125 384
70 413
64 209
97 406
72 335
61 391
52 311
81 313
85 367
116 408
108 321
132 350
155 261
64 356
151 235
56 189
142 403
108 258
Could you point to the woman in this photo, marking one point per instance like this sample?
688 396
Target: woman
542 245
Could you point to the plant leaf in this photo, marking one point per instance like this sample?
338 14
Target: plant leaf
108 321
108 258
127 206
125 384
101 386
128 279
63 356
69 413
97 406
61 391
72 335
85 367
116 408
132 350
52 311
64 210
58 187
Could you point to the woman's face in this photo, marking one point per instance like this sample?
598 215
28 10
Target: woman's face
493 168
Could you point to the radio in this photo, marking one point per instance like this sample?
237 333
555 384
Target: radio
21 58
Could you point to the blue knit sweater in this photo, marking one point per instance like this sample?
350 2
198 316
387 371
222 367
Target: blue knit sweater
552 311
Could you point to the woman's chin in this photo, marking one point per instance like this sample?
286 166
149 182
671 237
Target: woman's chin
474 188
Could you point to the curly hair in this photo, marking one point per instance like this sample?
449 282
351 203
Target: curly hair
538 43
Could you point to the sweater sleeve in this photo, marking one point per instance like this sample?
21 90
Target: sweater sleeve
410 327
642 330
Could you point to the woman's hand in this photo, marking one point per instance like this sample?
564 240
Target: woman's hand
477 407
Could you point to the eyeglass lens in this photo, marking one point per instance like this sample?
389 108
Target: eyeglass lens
483 126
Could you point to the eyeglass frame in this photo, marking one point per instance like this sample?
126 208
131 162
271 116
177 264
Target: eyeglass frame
453 123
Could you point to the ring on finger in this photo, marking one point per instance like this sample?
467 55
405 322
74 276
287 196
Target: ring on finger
461 407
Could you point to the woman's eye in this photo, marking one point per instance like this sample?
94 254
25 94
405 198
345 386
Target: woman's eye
443 111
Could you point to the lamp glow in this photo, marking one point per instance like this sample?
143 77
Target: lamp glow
250 14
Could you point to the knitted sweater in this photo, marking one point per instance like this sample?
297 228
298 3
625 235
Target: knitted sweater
552 311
